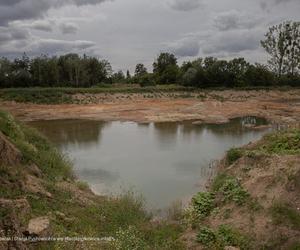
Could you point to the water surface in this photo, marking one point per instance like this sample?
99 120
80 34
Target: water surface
164 162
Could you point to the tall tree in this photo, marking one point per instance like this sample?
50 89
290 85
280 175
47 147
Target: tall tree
282 43
166 69
140 70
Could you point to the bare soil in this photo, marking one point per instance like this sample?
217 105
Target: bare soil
207 107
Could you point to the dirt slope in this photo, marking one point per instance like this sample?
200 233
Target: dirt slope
255 202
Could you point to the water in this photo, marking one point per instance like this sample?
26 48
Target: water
165 162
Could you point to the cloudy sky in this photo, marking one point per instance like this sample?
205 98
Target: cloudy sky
127 32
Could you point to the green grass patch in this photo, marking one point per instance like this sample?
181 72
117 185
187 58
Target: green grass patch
35 148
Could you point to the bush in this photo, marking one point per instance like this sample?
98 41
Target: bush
206 236
283 142
233 155
223 236
233 191
203 203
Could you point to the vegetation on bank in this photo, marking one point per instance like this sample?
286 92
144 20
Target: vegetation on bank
44 178
72 70
73 95
252 202
64 95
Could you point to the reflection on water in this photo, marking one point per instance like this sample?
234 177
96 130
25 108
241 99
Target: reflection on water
163 161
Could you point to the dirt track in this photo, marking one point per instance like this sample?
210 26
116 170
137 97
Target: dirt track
212 107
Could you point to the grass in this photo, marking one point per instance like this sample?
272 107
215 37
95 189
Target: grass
64 95
285 214
35 148
233 155
282 143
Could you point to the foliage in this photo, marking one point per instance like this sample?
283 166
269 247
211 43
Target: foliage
140 70
282 43
233 155
203 203
165 68
223 236
35 148
129 239
287 142
64 95
206 236
66 70
233 191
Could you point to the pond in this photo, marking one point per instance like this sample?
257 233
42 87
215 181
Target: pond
165 162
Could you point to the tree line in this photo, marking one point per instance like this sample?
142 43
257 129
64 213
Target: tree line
282 43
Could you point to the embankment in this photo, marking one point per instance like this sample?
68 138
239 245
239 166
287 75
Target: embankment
254 201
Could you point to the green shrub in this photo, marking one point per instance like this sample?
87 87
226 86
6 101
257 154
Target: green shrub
203 203
282 143
219 181
206 236
227 236
223 236
233 155
233 191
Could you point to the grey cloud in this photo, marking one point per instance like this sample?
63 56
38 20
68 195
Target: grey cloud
9 2
232 42
42 25
268 4
235 20
185 5
30 9
185 47
68 28
10 34
52 46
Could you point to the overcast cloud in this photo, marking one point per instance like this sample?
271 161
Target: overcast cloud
127 32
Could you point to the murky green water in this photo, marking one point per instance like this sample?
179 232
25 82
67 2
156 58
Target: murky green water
164 162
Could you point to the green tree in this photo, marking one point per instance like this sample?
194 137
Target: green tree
140 70
166 69
282 43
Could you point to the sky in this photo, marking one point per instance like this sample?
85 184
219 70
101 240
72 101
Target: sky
127 32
